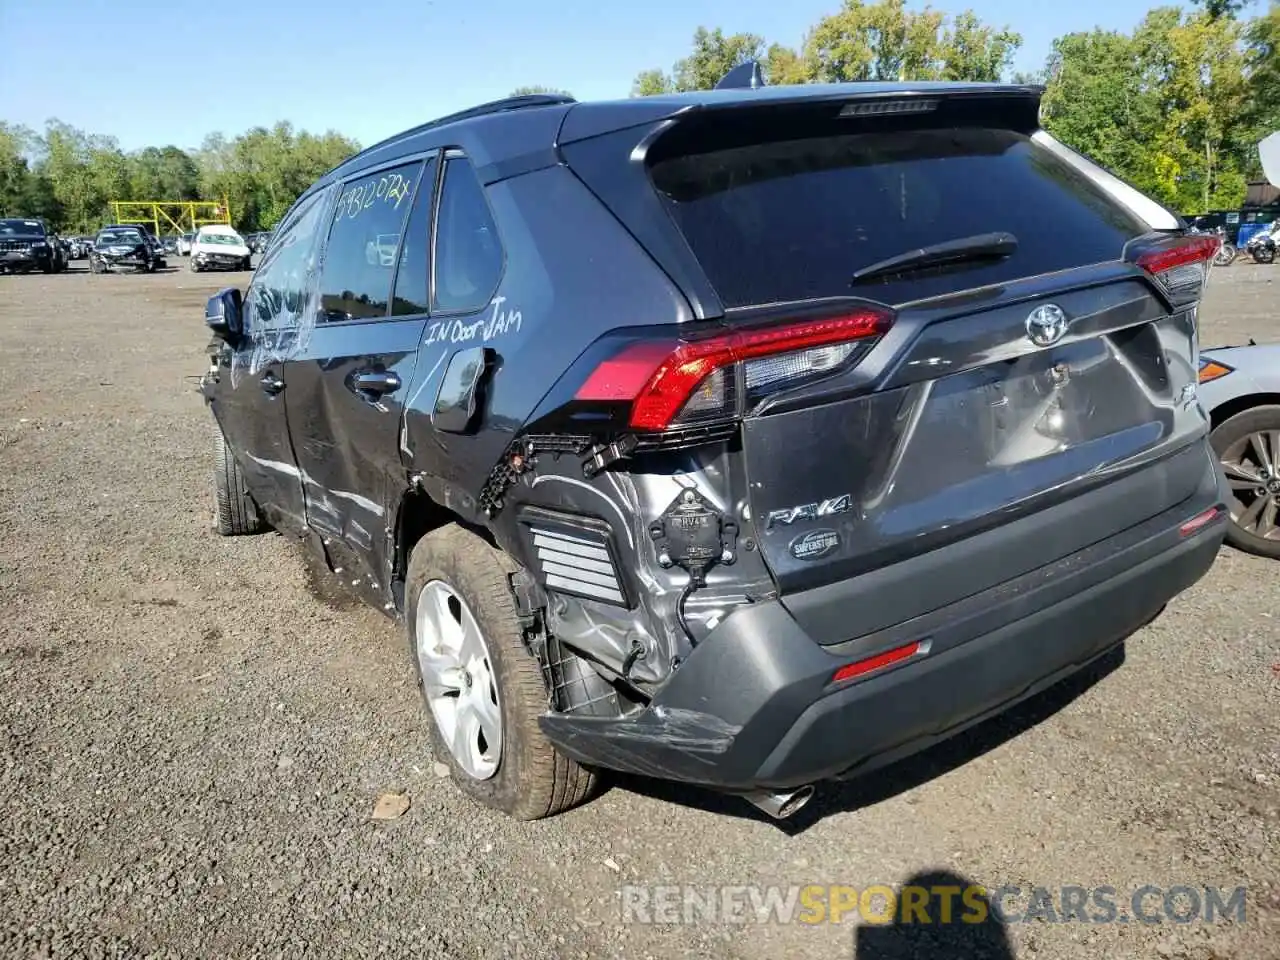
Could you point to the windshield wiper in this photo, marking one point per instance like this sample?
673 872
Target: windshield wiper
980 246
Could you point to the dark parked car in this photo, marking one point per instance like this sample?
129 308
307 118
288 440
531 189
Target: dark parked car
27 243
125 246
750 438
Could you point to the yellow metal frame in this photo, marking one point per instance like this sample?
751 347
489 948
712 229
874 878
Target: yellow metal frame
183 216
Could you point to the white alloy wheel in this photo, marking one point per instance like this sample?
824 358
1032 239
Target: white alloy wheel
457 680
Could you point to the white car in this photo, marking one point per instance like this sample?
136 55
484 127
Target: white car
217 247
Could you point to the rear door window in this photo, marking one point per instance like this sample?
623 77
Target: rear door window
360 257
412 276
468 254
795 219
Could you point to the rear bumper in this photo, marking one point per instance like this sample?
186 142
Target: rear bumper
754 705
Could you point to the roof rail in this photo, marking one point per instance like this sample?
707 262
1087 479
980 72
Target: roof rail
484 109
742 77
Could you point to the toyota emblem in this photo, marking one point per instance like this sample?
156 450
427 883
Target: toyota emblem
1046 325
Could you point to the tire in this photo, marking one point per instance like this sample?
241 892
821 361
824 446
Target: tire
531 780
1225 255
1265 255
93 266
194 267
237 514
1228 440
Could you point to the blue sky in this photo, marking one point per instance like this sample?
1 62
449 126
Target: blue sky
156 73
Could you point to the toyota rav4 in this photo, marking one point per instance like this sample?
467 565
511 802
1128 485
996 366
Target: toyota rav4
750 438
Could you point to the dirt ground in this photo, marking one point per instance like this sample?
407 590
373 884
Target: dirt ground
191 743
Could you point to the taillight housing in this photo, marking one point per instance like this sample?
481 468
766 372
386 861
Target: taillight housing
673 382
1178 264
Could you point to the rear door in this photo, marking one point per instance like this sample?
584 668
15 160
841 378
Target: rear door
251 407
347 385
1008 382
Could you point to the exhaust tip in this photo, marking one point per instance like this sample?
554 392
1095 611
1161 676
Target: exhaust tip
781 805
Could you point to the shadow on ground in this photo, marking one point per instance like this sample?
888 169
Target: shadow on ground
906 774
951 920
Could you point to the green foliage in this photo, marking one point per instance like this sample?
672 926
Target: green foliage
1221 8
1177 107
263 171
714 54
527 91
1262 63
862 41
70 177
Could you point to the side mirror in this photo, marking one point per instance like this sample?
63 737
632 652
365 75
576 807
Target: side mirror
224 315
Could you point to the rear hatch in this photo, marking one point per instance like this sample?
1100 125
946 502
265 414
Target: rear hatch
1041 361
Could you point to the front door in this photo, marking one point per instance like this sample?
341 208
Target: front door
275 325
347 386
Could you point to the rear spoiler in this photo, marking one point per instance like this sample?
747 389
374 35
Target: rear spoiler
586 120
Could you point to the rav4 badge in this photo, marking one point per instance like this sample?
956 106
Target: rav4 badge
810 511
815 544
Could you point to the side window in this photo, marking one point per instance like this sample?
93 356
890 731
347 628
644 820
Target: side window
276 295
415 253
355 278
469 259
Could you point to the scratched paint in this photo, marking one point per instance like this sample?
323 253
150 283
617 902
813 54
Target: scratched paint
290 470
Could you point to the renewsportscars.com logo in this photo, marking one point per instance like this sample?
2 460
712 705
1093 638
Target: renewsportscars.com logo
973 904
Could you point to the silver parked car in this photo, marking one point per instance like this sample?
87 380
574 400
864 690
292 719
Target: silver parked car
1240 390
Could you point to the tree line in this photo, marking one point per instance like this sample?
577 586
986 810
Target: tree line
70 177
1176 106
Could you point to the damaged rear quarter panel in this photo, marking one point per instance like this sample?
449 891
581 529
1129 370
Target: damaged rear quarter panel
572 273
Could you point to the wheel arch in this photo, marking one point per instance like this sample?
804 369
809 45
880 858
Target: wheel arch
1237 405
417 515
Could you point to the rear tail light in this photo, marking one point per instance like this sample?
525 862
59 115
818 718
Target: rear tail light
1180 266
675 383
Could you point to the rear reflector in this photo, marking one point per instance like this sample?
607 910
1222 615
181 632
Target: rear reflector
1199 522
1212 370
860 668
661 377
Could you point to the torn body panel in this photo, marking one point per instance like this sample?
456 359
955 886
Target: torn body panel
642 640
545 219
345 438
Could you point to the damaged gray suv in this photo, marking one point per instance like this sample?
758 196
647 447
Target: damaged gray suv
750 438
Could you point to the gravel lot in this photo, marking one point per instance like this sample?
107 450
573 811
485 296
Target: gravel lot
192 741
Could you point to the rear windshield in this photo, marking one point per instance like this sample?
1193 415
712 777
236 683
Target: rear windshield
795 219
